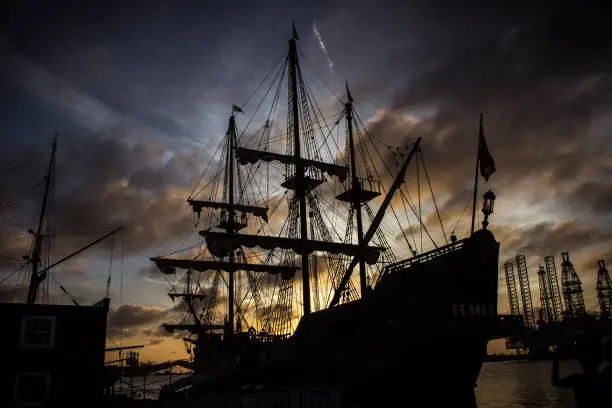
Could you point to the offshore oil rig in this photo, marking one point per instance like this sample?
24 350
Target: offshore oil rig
561 312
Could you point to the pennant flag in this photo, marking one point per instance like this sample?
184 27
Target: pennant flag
487 163
236 108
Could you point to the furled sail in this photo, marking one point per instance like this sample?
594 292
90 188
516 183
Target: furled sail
220 245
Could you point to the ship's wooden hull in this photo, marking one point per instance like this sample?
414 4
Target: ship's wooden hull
423 331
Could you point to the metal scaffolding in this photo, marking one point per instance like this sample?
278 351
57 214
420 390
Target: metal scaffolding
512 295
555 292
512 344
604 289
546 310
572 288
528 315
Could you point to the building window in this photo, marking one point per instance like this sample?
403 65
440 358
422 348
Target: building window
38 331
32 389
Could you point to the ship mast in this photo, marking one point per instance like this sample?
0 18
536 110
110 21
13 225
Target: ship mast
231 224
304 173
38 276
356 187
38 238
399 179
300 190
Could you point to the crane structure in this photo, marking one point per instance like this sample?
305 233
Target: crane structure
604 290
546 309
528 314
572 288
556 301
561 309
512 299
512 294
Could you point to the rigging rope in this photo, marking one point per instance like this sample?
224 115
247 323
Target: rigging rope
17 270
204 173
282 73
419 194
462 214
244 104
433 196
319 76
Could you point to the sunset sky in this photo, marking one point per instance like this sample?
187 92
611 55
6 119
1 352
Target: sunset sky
140 96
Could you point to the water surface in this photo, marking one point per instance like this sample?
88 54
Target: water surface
512 384
515 384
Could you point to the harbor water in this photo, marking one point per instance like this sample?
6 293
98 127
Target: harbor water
516 384
510 384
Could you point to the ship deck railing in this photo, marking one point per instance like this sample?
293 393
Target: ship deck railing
425 257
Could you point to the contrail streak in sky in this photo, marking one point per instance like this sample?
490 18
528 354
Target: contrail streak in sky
322 45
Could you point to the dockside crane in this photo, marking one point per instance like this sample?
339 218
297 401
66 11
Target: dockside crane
556 301
512 294
546 309
572 288
528 314
513 300
604 290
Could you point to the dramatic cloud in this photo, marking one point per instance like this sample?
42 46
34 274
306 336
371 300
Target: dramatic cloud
156 332
101 182
540 92
548 238
129 317
130 112
545 94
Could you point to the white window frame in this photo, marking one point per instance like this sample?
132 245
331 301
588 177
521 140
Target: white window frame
24 321
18 403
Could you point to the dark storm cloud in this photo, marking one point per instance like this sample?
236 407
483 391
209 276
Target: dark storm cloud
594 197
163 65
158 331
547 238
129 317
541 77
591 263
540 80
102 182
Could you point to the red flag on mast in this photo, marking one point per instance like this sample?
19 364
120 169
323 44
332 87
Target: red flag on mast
486 161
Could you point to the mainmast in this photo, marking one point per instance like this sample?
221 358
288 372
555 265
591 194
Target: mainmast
300 190
231 222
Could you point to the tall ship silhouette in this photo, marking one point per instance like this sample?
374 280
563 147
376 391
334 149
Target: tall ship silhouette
312 268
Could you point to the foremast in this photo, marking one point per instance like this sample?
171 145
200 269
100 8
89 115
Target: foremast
233 219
